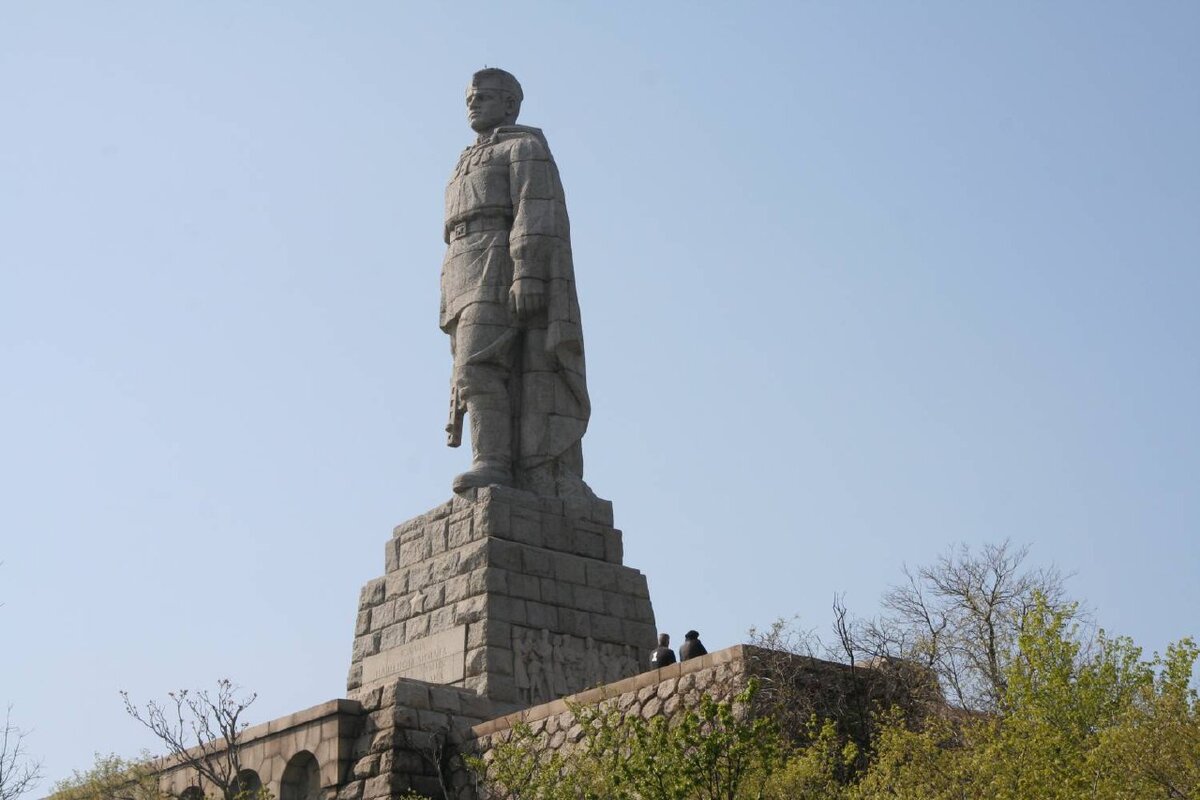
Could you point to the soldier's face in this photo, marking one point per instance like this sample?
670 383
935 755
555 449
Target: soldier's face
487 108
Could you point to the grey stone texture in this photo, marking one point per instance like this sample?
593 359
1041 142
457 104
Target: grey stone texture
658 692
408 734
788 684
538 583
509 305
324 734
401 734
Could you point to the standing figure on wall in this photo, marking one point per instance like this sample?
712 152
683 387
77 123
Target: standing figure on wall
593 672
509 304
562 666
521 656
543 656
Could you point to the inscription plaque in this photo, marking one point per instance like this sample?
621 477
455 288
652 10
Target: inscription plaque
440 658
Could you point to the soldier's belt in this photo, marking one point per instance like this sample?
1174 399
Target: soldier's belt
479 225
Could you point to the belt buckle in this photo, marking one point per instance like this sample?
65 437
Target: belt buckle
460 230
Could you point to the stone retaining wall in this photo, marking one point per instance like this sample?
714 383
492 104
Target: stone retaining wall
721 675
324 733
409 734
413 735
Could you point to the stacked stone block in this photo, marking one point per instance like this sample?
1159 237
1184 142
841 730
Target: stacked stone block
824 689
548 608
663 692
326 732
413 735
409 738
399 734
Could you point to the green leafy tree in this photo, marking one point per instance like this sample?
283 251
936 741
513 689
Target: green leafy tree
819 770
1040 709
932 763
111 778
1078 720
1057 701
1153 750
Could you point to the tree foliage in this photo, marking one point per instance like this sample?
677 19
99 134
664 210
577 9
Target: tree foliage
1154 746
111 778
1080 719
1041 708
820 769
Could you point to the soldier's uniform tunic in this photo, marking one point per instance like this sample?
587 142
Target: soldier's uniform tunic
506 218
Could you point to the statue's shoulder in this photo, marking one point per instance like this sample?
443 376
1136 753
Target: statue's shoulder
525 141
510 132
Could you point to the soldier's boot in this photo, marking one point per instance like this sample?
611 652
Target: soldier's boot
491 449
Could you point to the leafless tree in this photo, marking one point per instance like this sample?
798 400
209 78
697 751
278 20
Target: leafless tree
949 631
798 682
440 753
202 731
18 772
961 617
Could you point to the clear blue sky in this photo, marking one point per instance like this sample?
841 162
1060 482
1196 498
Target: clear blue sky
859 281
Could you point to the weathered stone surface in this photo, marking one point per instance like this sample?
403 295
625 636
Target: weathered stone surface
506 593
437 658
327 731
366 767
372 593
381 786
508 303
414 694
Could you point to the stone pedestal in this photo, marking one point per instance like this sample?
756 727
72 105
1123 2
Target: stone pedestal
519 598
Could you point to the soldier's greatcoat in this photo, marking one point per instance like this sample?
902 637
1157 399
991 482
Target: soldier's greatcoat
506 218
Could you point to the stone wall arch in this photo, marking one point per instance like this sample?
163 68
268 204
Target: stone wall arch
323 736
301 778
247 782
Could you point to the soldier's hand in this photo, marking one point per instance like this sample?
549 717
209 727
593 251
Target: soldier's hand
527 297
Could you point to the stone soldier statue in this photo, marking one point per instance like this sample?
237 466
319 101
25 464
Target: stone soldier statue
509 304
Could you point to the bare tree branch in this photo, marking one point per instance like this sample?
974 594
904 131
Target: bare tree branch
949 630
18 772
202 731
962 617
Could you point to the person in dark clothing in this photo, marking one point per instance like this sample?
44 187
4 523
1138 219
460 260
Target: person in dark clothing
691 646
663 655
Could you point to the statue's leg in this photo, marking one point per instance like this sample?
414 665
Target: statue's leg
552 424
535 457
483 355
